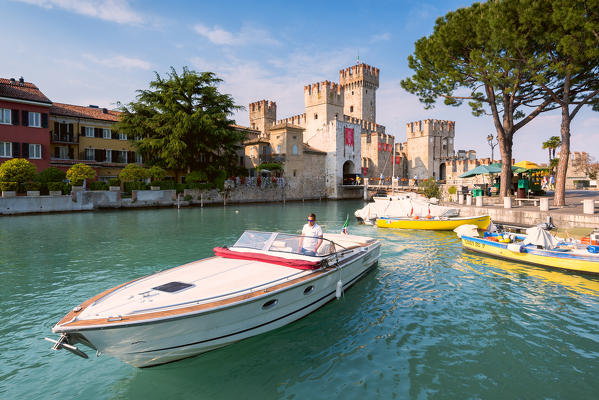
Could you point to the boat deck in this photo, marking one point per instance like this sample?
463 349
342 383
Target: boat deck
210 279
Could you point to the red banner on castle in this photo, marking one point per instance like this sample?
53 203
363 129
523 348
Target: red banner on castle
349 137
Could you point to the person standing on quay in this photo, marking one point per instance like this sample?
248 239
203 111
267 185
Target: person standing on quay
311 238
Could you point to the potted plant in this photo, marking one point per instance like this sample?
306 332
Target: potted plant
17 171
32 188
78 173
133 176
452 191
156 174
114 185
9 189
55 188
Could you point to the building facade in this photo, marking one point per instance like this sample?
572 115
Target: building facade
86 134
24 132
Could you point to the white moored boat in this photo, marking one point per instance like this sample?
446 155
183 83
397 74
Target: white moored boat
259 284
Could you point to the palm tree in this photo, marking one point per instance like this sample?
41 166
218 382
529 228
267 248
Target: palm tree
553 143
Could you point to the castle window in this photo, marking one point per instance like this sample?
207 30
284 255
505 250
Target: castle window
366 91
315 116
294 149
352 92
351 108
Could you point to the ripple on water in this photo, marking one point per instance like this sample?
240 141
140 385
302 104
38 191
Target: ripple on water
431 321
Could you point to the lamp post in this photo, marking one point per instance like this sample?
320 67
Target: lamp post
492 144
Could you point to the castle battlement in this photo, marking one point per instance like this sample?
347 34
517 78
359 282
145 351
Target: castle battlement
266 105
298 120
367 126
431 127
324 86
363 73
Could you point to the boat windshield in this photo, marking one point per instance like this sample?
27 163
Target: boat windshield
283 242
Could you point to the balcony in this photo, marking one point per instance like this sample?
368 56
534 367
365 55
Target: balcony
63 138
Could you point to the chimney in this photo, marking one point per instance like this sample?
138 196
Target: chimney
13 81
104 111
21 81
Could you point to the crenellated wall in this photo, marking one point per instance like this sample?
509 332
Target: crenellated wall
263 114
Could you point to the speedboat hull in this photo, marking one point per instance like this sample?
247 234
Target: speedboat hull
438 224
154 338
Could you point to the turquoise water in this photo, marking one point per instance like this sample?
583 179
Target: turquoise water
430 322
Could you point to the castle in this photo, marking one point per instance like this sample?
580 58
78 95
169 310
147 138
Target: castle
337 137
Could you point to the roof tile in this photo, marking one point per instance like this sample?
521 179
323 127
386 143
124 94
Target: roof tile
28 91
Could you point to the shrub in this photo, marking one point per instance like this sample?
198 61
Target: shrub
187 197
17 170
129 186
56 186
133 173
269 166
98 185
196 178
179 187
114 182
430 189
164 185
156 173
452 190
29 186
78 172
9 186
51 174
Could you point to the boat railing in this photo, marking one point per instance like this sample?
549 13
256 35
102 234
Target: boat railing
284 243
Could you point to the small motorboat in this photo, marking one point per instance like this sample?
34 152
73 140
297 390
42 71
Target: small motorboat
433 223
402 205
537 247
259 284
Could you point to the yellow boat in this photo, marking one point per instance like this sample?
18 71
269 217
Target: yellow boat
572 259
436 223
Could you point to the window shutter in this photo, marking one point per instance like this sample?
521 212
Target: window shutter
44 120
71 153
15 117
56 128
25 118
71 128
131 157
15 150
25 150
115 135
102 155
42 151
57 152
98 132
82 131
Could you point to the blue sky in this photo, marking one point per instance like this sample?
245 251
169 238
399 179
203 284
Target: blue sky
100 51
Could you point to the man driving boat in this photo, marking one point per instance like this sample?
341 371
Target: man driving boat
311 238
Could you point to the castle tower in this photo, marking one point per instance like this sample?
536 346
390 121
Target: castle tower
430 147
263 114
360 83
324 103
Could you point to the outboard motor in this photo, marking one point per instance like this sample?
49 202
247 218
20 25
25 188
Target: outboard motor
547 225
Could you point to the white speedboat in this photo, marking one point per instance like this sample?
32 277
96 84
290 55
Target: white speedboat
259 284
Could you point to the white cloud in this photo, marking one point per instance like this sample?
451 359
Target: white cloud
118 11
381 37
246 35
119 61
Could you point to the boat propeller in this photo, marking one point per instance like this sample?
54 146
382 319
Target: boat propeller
61 343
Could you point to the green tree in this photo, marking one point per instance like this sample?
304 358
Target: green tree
17 170
79 172
133 173
51 174
566 34
156 173
550 145
481 54
183 123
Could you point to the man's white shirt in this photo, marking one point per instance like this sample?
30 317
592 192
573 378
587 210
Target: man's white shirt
312 232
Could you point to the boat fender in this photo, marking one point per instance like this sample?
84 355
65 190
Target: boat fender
339 291
516 248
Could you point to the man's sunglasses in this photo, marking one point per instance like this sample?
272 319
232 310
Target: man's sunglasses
310 220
